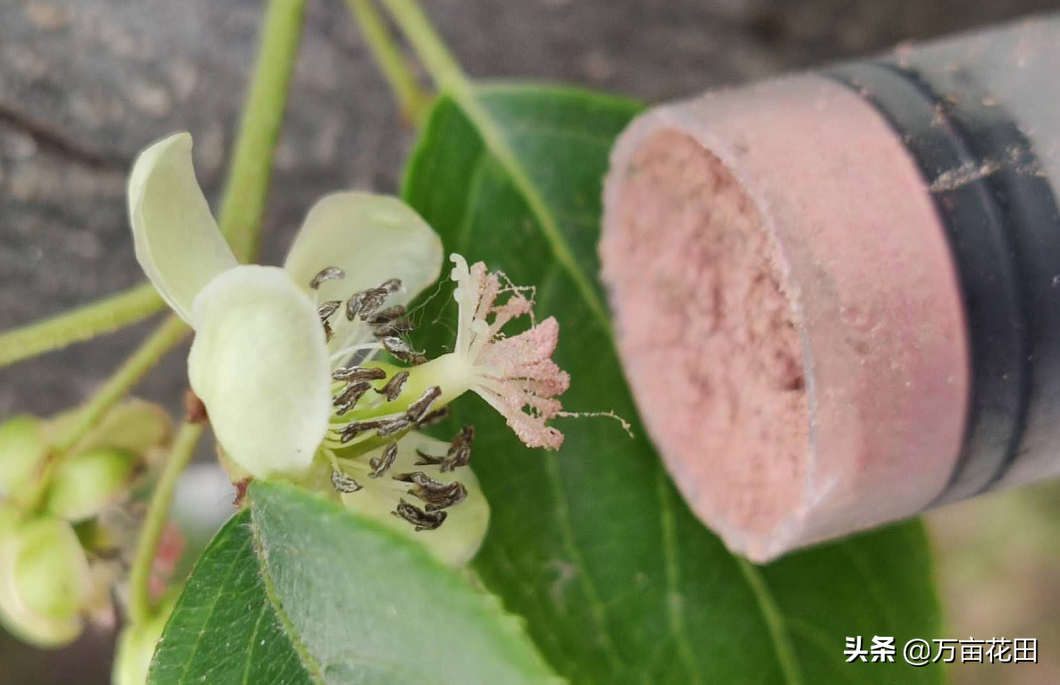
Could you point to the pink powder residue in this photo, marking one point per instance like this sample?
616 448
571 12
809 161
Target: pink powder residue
788 312
718 373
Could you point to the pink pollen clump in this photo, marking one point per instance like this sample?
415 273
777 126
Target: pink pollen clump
515 375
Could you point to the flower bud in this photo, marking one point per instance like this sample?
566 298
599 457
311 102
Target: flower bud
22 449
136 647
45 582
136 426
87 482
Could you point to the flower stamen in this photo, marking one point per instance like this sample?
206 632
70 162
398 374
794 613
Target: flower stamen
358 373
436 416
348 398
366 302
418 408
390 428
515 375
343 483
381 464
394 386
356 428
459 453
436 494
419 518
328 273
403 351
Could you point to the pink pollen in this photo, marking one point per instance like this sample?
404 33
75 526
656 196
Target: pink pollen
519 378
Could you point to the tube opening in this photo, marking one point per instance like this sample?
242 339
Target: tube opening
709 336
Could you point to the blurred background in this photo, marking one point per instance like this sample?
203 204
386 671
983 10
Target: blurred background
84 84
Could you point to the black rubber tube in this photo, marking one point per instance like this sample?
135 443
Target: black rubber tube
1003 227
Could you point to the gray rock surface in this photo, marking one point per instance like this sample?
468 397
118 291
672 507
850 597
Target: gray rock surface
84 84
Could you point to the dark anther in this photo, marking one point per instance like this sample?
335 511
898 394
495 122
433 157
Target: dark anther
418 517
365 303
449 496
395 345
436 494
329 273
390 321
352 430
393 427
387 315
343 483
359 373
421 479
434 417
325 310
382 463
400 349
394 386
391 285
428 459
418 408
348 398
395 327
459 453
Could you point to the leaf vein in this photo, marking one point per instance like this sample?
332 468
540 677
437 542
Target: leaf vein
674 604
774 621
870 580
495 140
475 184
310 665
209 614
250 645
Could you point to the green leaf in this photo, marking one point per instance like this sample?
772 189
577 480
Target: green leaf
296 590
618 581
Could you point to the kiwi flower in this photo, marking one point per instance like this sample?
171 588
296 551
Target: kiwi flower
283 358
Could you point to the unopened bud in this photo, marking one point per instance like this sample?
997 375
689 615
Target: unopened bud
22 450
136 647
45 582
87 482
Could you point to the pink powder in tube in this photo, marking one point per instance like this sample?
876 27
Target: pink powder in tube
787 312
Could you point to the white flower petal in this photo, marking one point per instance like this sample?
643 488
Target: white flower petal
458 539
372 238
177 240
260 365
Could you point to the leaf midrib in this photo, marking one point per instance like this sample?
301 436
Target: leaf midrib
495 141
308 662
789 666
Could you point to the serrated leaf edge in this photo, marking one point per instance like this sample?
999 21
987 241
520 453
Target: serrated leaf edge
491 605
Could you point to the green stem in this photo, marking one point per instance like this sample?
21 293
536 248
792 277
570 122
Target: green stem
451 79
412 98
140 607
84 323
430 47
251 167
165 338
240 219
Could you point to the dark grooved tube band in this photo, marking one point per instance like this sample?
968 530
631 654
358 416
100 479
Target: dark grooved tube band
1004 229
